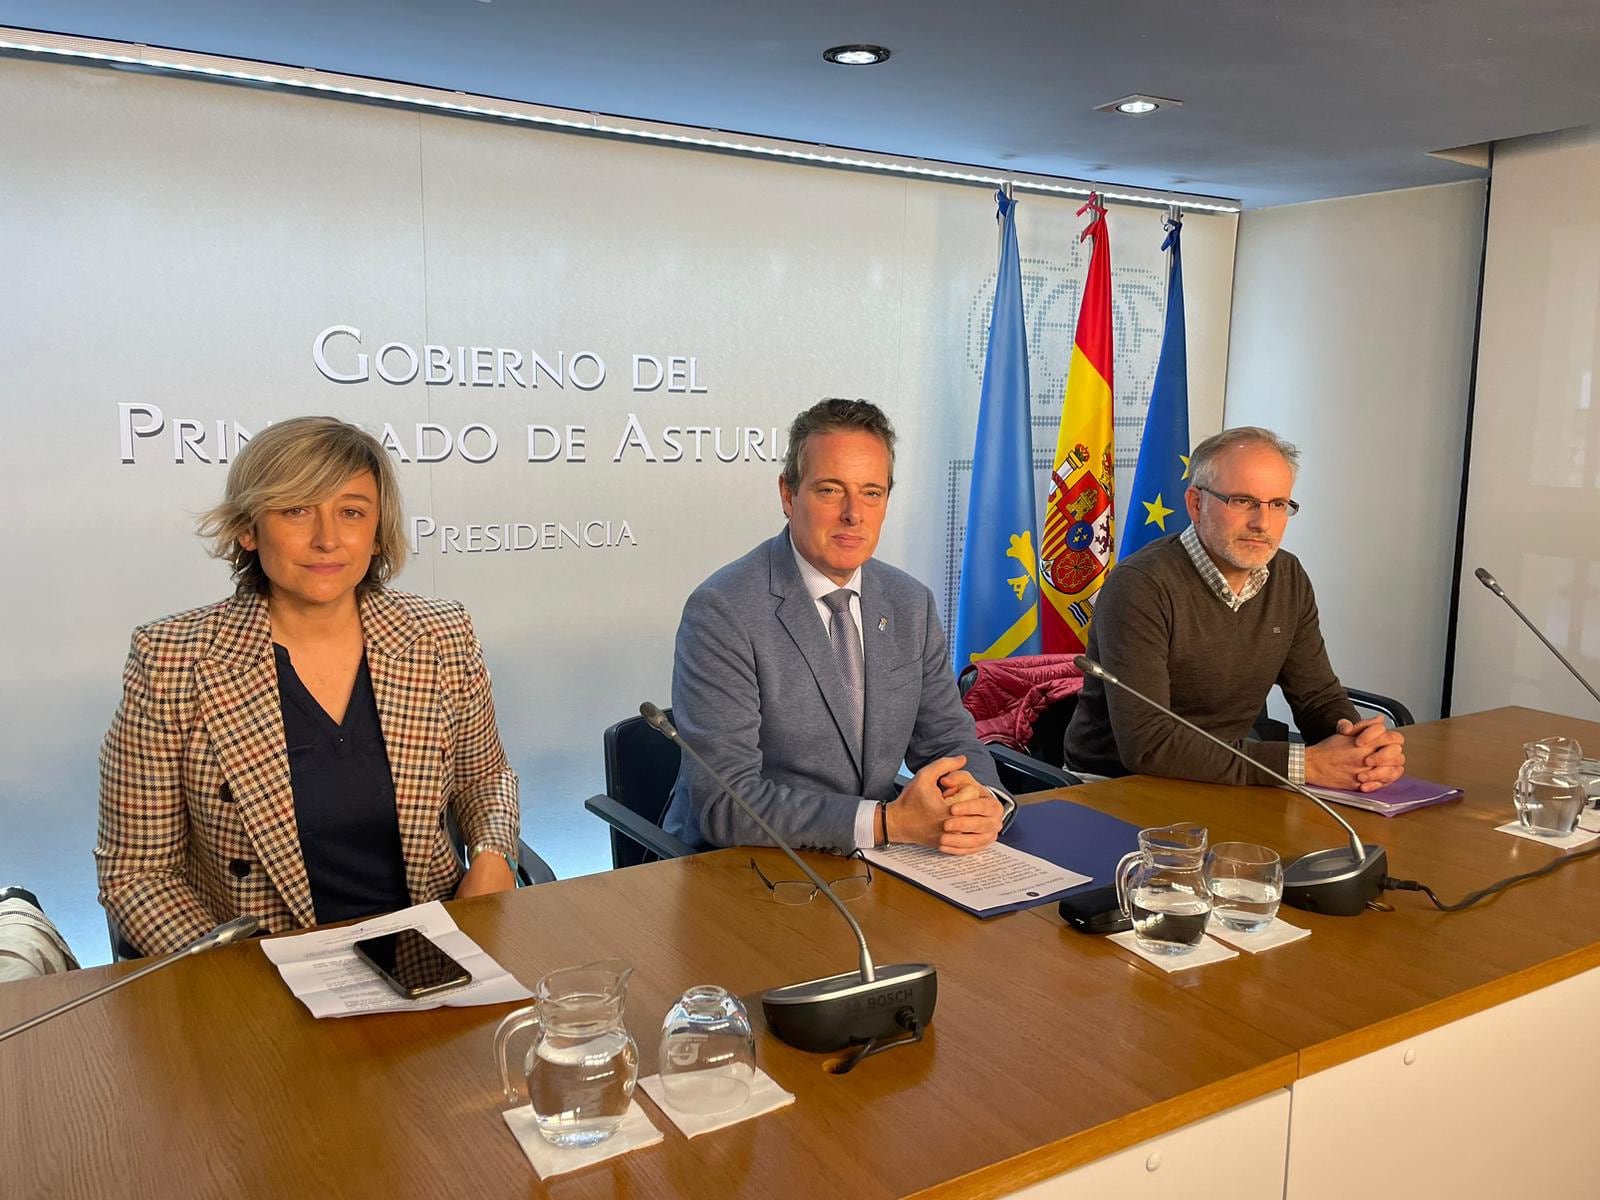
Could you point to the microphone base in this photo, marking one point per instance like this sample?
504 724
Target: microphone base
823 1015
1328 882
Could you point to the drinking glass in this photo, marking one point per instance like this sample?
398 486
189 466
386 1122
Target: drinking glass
1246 882
708 1052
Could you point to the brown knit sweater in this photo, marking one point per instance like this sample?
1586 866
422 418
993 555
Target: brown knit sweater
1160 628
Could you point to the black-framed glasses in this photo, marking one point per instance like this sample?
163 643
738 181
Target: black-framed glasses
801 891
1241 503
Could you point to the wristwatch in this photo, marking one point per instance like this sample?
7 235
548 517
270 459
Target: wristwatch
485 848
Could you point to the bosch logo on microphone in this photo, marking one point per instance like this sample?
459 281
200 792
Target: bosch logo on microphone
886 999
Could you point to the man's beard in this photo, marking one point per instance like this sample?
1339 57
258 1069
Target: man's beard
1233 553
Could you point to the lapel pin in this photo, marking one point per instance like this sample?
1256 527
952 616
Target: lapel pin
883 624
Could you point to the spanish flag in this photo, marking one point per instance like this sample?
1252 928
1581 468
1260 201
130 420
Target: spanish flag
1076 549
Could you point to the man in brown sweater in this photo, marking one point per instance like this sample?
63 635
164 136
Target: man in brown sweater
1199 622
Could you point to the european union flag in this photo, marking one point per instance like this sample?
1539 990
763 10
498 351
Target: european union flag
998 611
1161 478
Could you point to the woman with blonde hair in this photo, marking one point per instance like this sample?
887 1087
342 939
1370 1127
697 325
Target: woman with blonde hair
291 752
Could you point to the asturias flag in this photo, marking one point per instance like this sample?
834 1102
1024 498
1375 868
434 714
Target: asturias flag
1077 549
1161 478
998 613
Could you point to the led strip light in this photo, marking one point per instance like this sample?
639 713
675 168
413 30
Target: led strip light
30 42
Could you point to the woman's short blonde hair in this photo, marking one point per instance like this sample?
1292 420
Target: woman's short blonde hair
303 461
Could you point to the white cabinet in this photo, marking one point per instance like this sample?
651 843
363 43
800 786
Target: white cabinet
1237 1154
1496 1104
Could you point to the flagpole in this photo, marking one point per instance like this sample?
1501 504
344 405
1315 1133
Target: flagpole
1006 190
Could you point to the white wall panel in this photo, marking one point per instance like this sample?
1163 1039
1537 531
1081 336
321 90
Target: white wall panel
1352 337
1534 491
178 244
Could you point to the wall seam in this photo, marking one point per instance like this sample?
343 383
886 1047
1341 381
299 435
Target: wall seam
1447 683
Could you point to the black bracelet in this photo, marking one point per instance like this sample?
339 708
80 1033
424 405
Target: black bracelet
883 814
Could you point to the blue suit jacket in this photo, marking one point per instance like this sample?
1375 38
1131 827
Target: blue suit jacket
757 691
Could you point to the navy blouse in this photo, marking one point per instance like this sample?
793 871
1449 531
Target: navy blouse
343 800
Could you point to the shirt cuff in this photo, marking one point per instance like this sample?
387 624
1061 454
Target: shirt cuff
1297 763
1008 807
866 820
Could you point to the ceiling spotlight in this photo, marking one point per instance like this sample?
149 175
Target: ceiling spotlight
1138 105
856 56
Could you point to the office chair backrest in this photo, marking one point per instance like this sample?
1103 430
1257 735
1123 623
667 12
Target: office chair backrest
1268 729
30 944
1386 706
1035 693
1048 743
641 767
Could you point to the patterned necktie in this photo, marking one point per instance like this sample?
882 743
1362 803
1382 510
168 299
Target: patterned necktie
847 649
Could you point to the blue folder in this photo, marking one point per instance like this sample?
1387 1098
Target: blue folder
1070 835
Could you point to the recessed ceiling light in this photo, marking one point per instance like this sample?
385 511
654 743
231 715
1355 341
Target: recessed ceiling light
1138 105
51 47
856 56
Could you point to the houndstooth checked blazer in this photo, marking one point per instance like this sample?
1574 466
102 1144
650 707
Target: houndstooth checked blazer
197 819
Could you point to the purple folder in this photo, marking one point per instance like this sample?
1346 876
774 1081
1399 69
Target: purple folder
1403 795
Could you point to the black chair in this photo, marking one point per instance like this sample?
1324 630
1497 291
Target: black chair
641 767
1268 730
1049 741
1022 773
1043 766
122 950
531 869
1387 706
1019 773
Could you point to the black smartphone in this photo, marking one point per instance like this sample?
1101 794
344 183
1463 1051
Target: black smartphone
412 964
1095 911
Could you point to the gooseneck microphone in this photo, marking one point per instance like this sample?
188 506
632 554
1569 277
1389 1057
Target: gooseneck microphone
223 935
1336 882
1493 584
868 1006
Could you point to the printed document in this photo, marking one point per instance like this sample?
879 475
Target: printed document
995 877
325 975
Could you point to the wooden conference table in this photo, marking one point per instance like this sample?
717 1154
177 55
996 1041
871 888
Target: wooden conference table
1049 1049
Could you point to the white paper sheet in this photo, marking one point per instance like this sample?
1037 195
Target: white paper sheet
1277 933
1208 951
995 877
635 1133
765 1096
325 975
1571 841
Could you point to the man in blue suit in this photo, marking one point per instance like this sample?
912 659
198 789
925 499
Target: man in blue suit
806 671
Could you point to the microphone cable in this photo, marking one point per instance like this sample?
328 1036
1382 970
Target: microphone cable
1391 884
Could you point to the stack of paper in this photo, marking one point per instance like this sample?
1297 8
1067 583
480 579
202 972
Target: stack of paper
1403 795
1052 848
326 976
